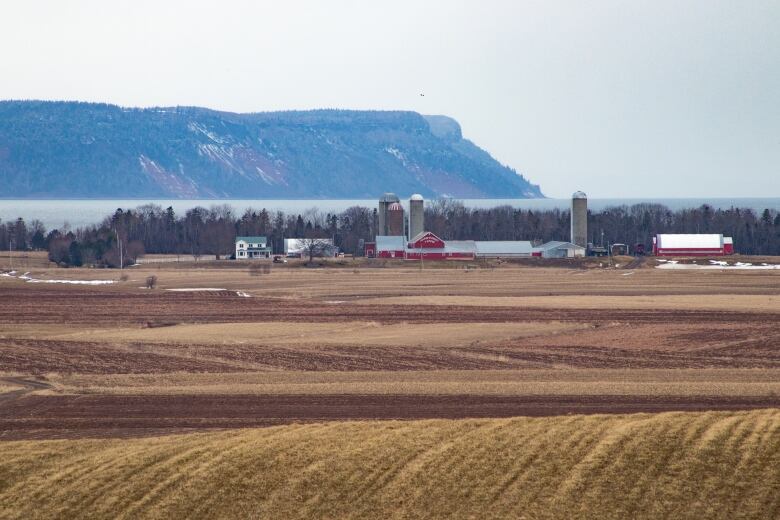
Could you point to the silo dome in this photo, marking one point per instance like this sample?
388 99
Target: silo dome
416 196
389 197
579 195
395 206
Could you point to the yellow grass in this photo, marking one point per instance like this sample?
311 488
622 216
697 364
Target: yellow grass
656 382
363 282
672 465
284 333
731 302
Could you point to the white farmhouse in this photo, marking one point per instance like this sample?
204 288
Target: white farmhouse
252 247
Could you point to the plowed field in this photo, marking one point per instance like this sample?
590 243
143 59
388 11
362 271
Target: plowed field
516 392
77 346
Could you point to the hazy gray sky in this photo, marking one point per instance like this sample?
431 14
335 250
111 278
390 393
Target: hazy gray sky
617 98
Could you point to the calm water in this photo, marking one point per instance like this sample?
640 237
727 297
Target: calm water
54 213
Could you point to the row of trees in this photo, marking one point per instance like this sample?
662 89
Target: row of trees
127 234
756 234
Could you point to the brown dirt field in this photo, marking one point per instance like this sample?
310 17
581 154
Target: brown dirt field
119 356
57 416
95 307
732 302
612 345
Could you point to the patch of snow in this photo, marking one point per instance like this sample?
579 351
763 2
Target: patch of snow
243 294
335 302
73 282
628 274
264 176
199 128
398 154
718 262
26 277
737 266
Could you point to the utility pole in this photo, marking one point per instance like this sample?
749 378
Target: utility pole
119 241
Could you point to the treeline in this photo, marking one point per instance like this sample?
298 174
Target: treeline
128 234
753 234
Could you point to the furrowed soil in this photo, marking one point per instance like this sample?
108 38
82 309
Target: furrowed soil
390 392
710 465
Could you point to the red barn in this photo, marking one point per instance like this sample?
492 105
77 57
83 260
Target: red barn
431 247
690 245
728 246
390 246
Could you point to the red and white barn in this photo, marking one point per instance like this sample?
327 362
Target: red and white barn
692 245
430 247
389 247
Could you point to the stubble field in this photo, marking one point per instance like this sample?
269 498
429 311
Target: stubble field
341 354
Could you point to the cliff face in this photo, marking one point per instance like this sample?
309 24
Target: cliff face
81 150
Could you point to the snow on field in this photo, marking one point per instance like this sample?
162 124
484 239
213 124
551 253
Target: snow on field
243 294
74 282
720 265
26 277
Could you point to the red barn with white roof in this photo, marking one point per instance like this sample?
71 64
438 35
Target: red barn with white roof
691 245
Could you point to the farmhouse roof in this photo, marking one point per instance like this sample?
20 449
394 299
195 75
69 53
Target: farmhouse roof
252 239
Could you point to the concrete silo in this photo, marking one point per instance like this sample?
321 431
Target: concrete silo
385 201
395 219
579 219
416 215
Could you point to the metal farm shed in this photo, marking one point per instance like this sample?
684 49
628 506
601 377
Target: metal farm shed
556 249
503 248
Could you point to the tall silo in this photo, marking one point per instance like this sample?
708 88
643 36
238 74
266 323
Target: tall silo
385 201
579 219
395 219
416 215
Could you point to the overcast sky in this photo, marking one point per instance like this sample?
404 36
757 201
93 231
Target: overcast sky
617 98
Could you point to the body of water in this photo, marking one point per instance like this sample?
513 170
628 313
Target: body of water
75 213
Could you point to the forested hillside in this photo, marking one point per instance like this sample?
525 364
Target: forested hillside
84 150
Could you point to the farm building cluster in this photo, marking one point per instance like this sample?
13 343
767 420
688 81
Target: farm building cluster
404 237
258 247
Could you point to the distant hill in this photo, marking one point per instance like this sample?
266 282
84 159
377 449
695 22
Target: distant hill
85 150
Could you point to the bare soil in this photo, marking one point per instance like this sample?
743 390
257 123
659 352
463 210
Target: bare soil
72 416
383 321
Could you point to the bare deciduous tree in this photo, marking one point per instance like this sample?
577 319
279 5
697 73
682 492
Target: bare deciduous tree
314 247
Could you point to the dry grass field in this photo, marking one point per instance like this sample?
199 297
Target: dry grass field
364 391
672 465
